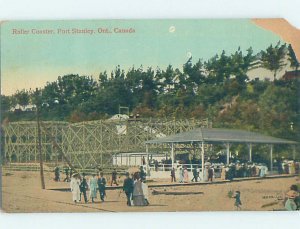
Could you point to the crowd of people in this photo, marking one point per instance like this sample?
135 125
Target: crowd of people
134 186
231 171
240 170
79 187
136 189
288 167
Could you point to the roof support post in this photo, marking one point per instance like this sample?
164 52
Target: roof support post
250 152
147 162
202 160
271 158
172 154
294 152
227 153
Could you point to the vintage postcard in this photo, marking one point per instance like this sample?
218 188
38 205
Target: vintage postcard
150 115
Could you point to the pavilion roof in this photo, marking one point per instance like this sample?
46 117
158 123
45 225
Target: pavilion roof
216 135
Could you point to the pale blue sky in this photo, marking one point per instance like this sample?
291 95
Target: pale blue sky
29 61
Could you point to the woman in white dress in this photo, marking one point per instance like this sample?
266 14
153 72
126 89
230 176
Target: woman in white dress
180 175
145 192
138 195
74 185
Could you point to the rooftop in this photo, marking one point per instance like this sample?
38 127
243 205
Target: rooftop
215 135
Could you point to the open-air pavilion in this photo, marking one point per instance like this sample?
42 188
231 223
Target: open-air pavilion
227 137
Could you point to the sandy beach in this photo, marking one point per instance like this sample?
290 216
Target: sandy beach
21 192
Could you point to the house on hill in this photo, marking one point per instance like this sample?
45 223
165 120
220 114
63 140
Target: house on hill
289 75
19 108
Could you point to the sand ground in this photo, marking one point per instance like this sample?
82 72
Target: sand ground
21 192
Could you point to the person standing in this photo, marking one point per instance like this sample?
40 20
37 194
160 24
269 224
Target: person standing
231 171
128 188
67 179
237 202
223 173
292 167
101 186
205 173
74 185
114 178
156 165
138 195
186 175
93 188
195 174
210 174
263 171
56 174
83 188
145 192
180 175
173 177
71 172
142 173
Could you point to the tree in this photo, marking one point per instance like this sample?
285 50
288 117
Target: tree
278 107
165 80
273 58
240 64
22 98
194 74
294 63
143 85
5 104
218 68
51 95
5 107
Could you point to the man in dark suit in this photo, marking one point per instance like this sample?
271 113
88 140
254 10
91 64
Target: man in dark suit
142 173
195 174
57 174
67 179
128 188
101 186
83 187
114 178
173 176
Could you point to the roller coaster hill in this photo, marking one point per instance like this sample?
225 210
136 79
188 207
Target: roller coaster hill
87 145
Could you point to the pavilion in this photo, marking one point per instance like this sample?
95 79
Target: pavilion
201 136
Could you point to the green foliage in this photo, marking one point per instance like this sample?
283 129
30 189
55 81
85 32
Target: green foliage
218 89
22 97
294 63
273 58
278 108
5 104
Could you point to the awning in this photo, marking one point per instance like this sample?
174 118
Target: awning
216 135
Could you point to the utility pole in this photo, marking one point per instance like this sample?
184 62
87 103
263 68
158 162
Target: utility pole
37 94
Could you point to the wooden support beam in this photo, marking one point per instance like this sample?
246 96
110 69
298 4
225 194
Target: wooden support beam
271 158
227 153
202 160
40 149
250 152
172 154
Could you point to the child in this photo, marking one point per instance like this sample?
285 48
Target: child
237 202
292 202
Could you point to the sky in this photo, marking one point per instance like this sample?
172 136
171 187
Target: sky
30 60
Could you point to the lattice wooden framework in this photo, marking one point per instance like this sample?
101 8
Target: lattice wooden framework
88 144
21 140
